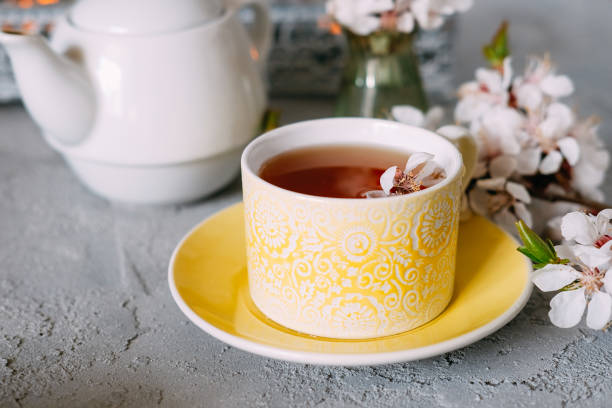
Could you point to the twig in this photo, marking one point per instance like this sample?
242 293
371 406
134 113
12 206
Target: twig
594 206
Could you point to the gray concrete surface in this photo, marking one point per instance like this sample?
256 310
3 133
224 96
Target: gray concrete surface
86 318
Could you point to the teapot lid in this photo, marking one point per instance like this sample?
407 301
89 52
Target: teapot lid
138 17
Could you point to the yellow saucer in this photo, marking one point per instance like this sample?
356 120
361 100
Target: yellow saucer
208 280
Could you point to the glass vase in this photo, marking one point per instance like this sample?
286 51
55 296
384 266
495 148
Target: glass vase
382 71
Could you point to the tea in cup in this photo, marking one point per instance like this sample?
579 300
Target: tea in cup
325 261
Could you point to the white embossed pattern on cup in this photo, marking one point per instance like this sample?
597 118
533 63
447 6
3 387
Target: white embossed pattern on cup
351 268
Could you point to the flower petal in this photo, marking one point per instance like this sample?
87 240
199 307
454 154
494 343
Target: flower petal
375 194
523 213
553 227
462 5
452 132
591 193
506 220
607 281
495 184
592 256
529 96
503 125
470 107
434 117
603 221
387 178
405 22
606 247
430 181
518 191
577 226
557 86
424 14
565 252
507 77
567 308
468 88
408 114
554 277
570 149
373 6
502 166
479 201
562 113
416 159
590 171
425 171
362 25
420 9
551 127
599 310
509 145
551 163
491 79
480 170
528 161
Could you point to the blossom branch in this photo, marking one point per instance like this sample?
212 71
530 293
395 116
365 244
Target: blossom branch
581 270
592 205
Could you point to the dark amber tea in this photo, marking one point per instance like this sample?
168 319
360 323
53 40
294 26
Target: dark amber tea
331 171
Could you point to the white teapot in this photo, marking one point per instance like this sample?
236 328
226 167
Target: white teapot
149 101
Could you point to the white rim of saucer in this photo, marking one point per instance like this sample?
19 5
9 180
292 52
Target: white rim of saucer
344 359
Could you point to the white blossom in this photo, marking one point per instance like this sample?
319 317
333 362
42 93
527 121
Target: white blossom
547 216
430 13
567 307
539 82
360 16
387 178
502 200
589 172
421 170
498 132
586 281
551 135
479 97
589 230
526 135
364 17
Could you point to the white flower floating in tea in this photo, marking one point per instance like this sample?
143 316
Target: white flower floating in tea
421 171
580 269
364 17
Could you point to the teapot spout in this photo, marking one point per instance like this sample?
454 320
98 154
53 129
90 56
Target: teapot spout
54 89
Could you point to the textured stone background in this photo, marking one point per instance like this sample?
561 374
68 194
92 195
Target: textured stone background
86 318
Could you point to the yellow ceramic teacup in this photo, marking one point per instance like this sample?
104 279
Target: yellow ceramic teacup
353 268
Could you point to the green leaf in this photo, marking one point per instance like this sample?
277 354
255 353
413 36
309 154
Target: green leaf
497 50
551 246
538 250
527 253
270 120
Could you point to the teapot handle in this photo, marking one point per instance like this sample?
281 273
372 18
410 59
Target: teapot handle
262 29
